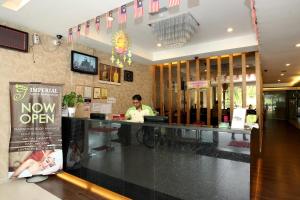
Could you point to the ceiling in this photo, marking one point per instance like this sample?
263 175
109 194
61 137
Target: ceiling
214 16
279 28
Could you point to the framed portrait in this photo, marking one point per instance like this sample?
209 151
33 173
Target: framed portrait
115 74
104 72
97 93
104 93
87 93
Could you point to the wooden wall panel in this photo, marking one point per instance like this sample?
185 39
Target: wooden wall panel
161 91
259 97
231 85
170 93
244 81
219 91
154 87
178 93
188 94
198 90
208 96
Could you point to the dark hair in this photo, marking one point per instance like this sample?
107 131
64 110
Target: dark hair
137 97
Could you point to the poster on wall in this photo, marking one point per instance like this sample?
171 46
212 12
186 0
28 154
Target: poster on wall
35 146
109 74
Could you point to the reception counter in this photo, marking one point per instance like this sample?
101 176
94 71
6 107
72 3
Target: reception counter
159 161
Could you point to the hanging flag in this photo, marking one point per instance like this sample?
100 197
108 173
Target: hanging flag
173 3
97 23
138 8
78 30
109 19
154 6
122 15
254 18
70 35
87 27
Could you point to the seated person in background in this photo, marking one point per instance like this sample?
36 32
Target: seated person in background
137 112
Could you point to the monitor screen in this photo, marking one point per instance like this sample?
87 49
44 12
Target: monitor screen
84 63
157 119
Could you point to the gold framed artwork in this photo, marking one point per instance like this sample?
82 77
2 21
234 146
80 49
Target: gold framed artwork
97 93
103 93
109 74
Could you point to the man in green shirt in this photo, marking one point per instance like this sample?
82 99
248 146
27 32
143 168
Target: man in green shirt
137 112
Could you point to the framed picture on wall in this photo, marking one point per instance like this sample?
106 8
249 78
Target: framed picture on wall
109 74
128 76
87 93
97 93
103 93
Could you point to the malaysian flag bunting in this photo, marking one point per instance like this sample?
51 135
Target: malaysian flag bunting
70 35
97 23
122 15
108 19
138 8
78 30
254 18
87 27
154 6
173 3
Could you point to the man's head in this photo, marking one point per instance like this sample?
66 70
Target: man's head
137 101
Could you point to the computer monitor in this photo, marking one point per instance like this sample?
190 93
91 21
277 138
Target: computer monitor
100 116
156 119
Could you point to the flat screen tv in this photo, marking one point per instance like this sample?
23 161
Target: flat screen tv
84 63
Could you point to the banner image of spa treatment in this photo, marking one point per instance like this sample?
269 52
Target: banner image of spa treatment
35 145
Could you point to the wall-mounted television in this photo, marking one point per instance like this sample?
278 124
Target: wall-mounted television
84 63
13 39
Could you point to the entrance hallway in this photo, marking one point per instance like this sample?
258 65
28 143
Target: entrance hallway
277 174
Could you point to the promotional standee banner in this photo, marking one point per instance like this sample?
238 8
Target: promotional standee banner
35 145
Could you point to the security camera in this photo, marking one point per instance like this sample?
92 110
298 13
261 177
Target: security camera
59 37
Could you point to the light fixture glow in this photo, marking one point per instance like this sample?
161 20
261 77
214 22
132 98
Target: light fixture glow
298 45
278 80
282 74
15 5
158 44
229 30
288 64
110 18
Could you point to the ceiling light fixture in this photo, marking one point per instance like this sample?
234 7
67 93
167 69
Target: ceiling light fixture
298 45
158 44
229 30
281 74
288 64
15 5
278 80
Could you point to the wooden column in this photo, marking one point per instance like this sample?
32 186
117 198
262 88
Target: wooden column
154 87
244 83
231 85
188 95
198 90
161 90
178 93
170 93
259 96
208 91
219 92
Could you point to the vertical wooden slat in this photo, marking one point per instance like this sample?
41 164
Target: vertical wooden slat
161 91
231 85
170 93
219 92
178 93
208 91
154 86
198 90
244 83
259 97
188 95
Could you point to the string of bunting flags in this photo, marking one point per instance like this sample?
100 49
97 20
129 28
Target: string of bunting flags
138 7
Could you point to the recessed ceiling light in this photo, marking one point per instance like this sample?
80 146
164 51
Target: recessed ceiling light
298 45
287 64
15 5
282 74
158 44
229 30
278 80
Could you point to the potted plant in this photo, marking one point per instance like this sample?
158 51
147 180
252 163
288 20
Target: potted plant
70 101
